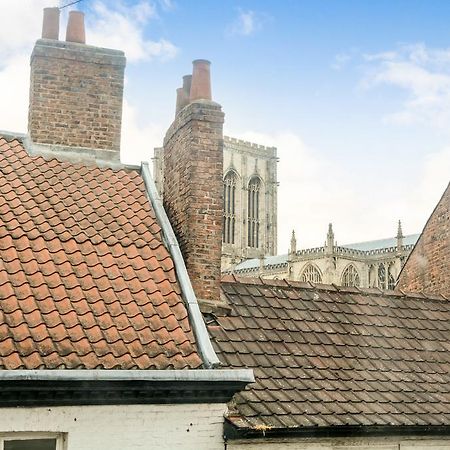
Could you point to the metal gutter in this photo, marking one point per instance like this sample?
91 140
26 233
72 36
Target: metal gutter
67 387
200 375
206 350
233 433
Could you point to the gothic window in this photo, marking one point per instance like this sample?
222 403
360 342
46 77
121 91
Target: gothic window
229 210
350 277
391 279
311 273
254 188
382 276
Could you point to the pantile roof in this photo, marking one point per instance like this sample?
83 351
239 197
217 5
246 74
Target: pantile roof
85 280
327 356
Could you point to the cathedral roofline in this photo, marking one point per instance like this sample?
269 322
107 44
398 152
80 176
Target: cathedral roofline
366 248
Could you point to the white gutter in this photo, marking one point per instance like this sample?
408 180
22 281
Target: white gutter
206 350
201 375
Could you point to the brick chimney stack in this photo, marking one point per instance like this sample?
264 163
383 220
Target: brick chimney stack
193 187
76 93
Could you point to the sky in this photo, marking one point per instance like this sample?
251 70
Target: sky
355 95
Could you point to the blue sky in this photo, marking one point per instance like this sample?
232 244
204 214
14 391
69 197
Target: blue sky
355 95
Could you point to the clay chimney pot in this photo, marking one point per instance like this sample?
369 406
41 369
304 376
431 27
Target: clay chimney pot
182 100
75 28
187 81
50 24
201 80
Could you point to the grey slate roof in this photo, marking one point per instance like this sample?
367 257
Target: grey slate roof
326 356
410 239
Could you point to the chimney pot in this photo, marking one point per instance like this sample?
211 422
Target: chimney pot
182 101
201 80
75 28
187 81
183 93
50 23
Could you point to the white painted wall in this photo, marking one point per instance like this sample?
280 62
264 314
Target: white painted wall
412 443
188 427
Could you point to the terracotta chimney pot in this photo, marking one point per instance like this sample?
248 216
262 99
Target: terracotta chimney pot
187 81
50 23
201 81
182 100
75 28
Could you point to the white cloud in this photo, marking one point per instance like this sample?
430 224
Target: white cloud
116 25
139 139
246 23
21 25
423 74
313 192
17 35
340 60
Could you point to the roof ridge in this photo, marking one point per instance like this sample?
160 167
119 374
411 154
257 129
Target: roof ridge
233 278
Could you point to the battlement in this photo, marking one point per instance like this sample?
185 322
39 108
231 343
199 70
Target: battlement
239 144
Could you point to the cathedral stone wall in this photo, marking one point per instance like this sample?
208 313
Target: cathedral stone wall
249 161
373 264
243 161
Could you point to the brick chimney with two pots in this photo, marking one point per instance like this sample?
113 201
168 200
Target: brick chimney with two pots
76 94
193 186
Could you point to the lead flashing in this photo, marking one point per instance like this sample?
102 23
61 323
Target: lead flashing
77 155
206 350
200 375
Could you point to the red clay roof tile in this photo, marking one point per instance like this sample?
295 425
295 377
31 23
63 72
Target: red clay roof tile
85 281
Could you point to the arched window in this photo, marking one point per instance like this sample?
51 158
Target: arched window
229 210
381 276
391 279
350 277
254 188
311 273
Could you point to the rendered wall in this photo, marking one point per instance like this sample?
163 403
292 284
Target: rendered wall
188 427
344 444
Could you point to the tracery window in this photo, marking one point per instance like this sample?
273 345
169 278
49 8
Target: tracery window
391 279
382 276
311 273
254 188
350 277
229 210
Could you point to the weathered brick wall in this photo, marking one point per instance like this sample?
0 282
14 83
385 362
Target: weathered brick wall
428 267
76 95
193 191
123 427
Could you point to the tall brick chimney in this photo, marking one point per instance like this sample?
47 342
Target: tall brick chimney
76 93
193 187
